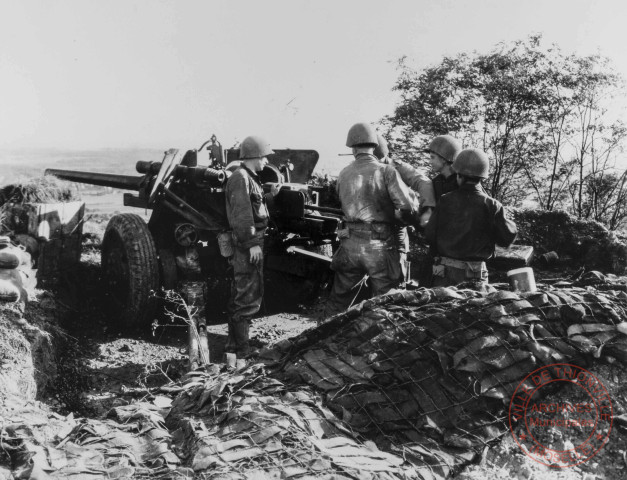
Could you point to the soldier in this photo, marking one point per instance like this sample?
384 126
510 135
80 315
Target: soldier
248 217
442 153
420 183
414 178
369 192
467 224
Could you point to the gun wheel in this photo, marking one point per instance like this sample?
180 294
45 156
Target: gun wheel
130 270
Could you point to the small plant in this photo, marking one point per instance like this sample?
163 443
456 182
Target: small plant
178 310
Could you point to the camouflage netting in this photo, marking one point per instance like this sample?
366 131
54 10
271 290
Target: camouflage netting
585 241
133 444
425 376
247 425
435 368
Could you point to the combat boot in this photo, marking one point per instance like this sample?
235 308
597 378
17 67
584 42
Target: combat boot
231 343
242 329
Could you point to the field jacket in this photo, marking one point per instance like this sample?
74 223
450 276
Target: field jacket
467 224
443 185
369 191
246 207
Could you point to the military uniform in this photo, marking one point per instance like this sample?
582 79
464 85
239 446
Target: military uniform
419 182
443 185
248 217
369 193
421 192
464 229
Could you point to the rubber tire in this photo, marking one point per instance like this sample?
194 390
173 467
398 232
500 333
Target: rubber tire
130 270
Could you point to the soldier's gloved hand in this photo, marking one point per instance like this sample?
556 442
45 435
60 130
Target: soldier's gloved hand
255 255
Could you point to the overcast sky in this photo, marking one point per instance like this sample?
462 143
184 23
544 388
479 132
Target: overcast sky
125 73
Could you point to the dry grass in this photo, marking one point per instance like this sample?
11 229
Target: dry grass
38 190
34 190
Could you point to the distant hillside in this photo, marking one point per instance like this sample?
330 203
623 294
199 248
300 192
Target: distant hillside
32 163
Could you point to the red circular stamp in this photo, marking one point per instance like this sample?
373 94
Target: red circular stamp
558 432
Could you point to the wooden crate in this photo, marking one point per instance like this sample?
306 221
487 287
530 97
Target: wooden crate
58 227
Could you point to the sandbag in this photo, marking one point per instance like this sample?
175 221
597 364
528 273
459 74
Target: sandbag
10 258
8 291
30 244
11 286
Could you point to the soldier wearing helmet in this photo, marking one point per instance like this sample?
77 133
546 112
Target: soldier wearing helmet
442 153
248 218
420 184
467 224
369 192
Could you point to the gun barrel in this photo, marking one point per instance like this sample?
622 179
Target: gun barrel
196 174
122 182
202 174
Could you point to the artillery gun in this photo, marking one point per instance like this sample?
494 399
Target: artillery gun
180 247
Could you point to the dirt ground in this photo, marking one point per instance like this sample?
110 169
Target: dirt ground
101 366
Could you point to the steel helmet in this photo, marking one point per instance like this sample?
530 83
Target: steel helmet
254 147
381 151
472 162
446 147
362 134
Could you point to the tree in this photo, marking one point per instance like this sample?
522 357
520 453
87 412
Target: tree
491 101
604 198
540 115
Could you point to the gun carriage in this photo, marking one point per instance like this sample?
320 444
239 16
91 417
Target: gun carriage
180 245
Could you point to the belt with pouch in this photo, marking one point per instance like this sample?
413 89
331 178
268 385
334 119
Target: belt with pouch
473 269
377 230
461 264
